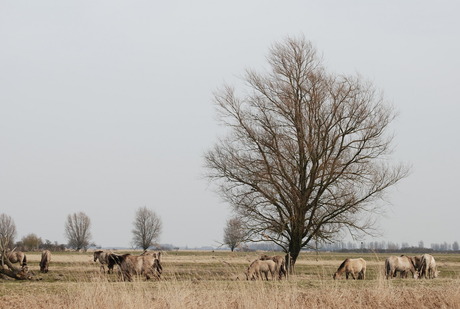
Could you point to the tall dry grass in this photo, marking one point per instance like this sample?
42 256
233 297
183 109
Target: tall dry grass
251 295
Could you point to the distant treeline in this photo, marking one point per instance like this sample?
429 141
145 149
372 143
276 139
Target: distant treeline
402 250
55 247
384 247
378 247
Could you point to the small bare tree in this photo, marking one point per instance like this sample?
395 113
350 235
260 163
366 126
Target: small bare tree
307 154
7 232
7 235
77 231
147 228
233 233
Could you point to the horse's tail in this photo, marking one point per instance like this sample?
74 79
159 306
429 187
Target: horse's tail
24 261
423 266
158 267
282 270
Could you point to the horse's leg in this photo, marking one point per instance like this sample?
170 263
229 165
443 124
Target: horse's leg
353 275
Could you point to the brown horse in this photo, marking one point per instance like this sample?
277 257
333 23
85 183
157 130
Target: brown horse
44 262
261 267
280 264
402 264
17 257
352 267
136 265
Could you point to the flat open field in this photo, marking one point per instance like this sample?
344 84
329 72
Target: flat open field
204 279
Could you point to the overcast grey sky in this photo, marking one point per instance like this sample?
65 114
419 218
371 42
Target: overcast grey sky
106 106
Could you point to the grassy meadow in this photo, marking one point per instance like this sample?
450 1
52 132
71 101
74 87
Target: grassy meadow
205 279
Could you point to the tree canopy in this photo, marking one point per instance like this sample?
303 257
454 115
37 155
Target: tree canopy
307 154
77 230
147 228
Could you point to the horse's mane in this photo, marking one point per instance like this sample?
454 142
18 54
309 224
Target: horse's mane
343 264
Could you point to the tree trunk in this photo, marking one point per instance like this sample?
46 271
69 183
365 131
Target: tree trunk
18 274
294 251
14 272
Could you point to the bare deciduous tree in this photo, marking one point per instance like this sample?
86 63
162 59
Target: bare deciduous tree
7 235
7 232
307 154
77 231
147 228
233 233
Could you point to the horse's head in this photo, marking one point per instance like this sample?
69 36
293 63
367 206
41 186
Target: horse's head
264 257
250 274
96 255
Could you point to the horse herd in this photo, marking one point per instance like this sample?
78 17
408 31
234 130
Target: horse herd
148 264
423 266
260 268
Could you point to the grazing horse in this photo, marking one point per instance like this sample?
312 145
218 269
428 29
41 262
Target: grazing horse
44 262
148 265
17 257
428 267
259 267
352 267
402 264
103 258
280 264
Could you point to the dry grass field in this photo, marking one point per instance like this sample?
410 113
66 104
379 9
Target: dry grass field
195 279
